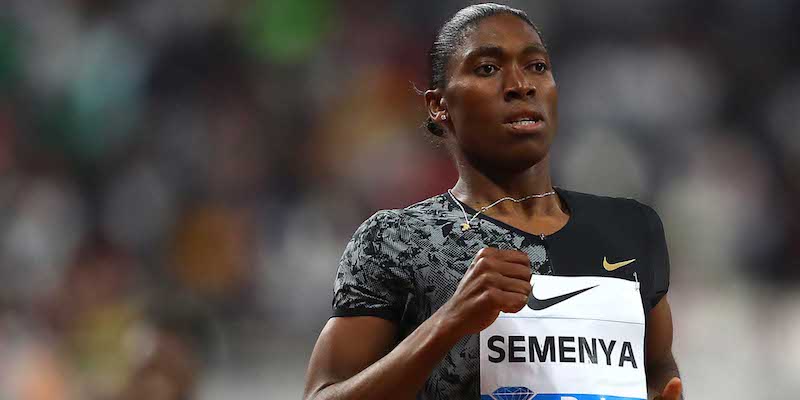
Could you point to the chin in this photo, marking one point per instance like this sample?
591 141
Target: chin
518 161
510 157
526 163
527 156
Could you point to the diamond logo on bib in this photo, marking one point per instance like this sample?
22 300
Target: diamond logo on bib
513 393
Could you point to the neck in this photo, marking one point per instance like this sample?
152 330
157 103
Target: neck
478 188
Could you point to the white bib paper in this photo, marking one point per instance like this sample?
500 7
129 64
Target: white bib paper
579 338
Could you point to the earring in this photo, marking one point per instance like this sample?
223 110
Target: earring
444 117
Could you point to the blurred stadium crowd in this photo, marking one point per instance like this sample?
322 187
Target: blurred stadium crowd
178 178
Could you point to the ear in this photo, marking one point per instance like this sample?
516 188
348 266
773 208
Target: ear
436 104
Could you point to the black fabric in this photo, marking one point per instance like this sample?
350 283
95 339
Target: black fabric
403 265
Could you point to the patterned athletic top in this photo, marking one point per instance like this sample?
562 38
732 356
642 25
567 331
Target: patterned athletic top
403 265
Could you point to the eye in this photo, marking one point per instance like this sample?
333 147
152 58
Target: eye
539 66
486 70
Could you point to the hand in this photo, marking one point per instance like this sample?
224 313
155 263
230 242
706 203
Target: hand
497 280
672 391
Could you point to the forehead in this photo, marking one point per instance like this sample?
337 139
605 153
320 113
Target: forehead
505 31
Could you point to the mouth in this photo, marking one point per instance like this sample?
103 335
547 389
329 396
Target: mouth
526 122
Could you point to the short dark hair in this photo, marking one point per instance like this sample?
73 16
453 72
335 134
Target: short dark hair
452 34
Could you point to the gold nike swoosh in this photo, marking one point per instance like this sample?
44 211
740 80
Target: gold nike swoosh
612 266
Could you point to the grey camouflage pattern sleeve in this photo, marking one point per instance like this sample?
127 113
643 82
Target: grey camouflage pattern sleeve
371 281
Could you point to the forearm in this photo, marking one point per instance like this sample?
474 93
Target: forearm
659 374
401 373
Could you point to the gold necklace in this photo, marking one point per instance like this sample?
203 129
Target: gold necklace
467 220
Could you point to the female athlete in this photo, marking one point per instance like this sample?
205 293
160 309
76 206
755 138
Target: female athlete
504 287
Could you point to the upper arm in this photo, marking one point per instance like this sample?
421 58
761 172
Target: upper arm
346 347
371 279
658 347
660 365
370 294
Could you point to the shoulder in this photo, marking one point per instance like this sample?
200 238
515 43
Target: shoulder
381 220
428 209
619 229
403 222
604 208
414 215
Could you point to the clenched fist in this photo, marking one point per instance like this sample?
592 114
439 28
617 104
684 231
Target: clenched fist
497 280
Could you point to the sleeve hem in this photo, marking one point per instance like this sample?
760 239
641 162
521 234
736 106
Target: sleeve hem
657 299
385 313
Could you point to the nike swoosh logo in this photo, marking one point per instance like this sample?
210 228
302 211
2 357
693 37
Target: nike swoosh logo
612 266
541 304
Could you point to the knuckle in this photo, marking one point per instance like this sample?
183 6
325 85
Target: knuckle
485 252
482 281
482 264
490 280
485 298
478 265
492 296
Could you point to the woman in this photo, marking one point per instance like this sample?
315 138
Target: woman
418 288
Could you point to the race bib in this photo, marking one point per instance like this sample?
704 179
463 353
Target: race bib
579 338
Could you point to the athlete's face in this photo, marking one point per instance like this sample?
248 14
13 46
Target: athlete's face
501 100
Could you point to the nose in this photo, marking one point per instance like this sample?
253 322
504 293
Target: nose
518 86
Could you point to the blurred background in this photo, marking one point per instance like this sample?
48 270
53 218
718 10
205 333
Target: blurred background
178 179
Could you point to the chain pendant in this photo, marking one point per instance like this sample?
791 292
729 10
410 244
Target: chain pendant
465 226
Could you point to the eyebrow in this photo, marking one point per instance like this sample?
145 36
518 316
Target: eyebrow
498 52
535 48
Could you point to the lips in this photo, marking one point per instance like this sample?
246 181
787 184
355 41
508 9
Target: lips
524 116
528 121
